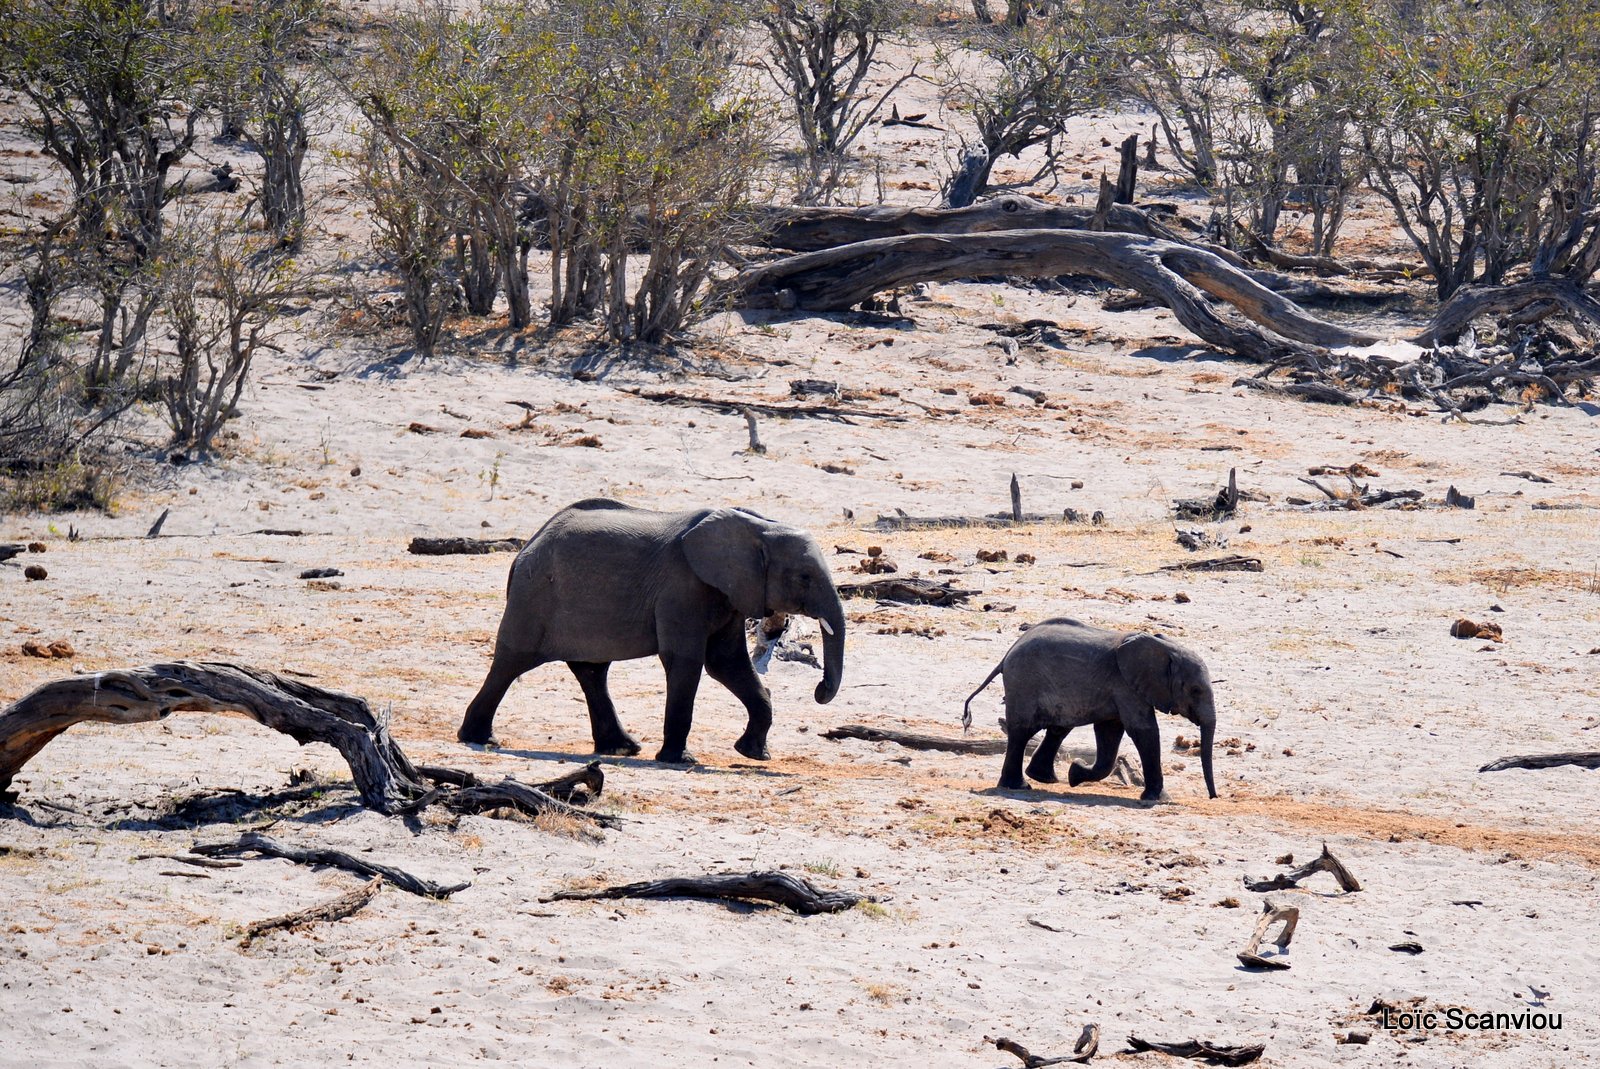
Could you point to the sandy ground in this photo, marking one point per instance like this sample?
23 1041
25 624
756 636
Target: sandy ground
1356 719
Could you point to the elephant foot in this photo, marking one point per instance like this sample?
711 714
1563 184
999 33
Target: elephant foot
1077 774
623 747
474 739
681 757
756 751
1159 798
1014 784
1043 773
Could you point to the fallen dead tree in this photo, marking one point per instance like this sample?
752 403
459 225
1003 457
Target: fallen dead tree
385 778
779 888
1589 759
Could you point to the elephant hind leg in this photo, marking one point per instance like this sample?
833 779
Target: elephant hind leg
610 737
478 725
1017 739
1042 769
1107 738
728 662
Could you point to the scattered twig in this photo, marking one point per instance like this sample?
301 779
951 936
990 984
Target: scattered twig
1215 1053
197 862
1086 1047
1583 759
779 888
256 843
1037 923
1270 915
337 909
1325 862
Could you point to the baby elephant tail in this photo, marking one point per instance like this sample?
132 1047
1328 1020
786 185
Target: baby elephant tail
966 710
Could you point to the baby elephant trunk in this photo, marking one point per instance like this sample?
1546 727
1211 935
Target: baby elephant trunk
1208 731
831 616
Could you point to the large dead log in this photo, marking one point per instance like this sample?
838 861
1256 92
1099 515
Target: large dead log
383 775
779 888
808 229
1474 302
1181 277
1545 760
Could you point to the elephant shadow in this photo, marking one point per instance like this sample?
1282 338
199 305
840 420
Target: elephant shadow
562 757
1083 798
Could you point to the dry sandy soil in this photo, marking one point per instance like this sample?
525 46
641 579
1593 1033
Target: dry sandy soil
1359 721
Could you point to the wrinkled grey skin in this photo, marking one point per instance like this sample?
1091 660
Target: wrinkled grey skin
1063 674
603 581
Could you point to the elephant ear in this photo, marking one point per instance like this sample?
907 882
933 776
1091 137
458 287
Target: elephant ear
1146 665
726 551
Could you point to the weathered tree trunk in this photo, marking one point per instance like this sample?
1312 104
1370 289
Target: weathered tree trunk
383 774
1128 171
1181 277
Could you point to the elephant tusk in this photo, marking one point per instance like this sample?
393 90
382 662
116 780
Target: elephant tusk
825 628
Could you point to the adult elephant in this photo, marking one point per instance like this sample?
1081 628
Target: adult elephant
1063 674
603 581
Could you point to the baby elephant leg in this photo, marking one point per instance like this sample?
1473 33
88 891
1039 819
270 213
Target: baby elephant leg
1017 739
1107 738
1042 769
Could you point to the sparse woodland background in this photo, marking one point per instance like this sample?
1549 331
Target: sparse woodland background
632 144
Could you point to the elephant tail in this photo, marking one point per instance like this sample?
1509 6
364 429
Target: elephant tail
966 710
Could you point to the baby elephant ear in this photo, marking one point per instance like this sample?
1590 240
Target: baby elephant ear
725 550
1146 665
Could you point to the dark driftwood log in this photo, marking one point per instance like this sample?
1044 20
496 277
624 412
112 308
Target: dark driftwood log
337 909
1220 507
1325 862
834 413
441 547
1471 302
509 794
1128 169
575 788
1232 563
1583 759
1304 391
255 843
1215 1053
933 523
382 773
1181 277
1086 1047
779 888
914 591
913 741
809 229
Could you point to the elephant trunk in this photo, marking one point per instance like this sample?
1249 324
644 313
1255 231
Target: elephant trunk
1208 731
831 616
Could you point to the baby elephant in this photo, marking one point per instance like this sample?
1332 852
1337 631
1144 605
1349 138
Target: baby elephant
1063 674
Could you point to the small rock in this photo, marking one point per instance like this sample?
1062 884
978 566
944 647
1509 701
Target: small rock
320 573
35 572
36 547
991 556
1355 1037
1077 484
60 648
1181 598
1027 558
1464 628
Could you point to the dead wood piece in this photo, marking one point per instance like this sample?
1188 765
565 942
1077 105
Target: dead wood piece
1318 392
1408 947
1231 563
756 445
306 713
1455 499
1213 1053
155 528
575 788
337 909
320 573
1528 475
1588 759
934 523
1086 1047
1325 862
1270 915
908 590
509 794
835 413
197 862
779 888
1268 327
912 740
443 547
11 549
1220 507
258 844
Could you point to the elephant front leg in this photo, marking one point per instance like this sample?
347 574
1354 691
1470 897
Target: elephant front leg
1147 740
1042 769
1107 739
728 662
683 680
610 737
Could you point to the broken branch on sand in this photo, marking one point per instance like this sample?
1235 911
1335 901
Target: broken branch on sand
1231 563
1215 1053
442 547
1583 759
913 741
915 591
337 909
575 788
779 888
1086 1047
1325 862
257 844
1270 915
835 413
